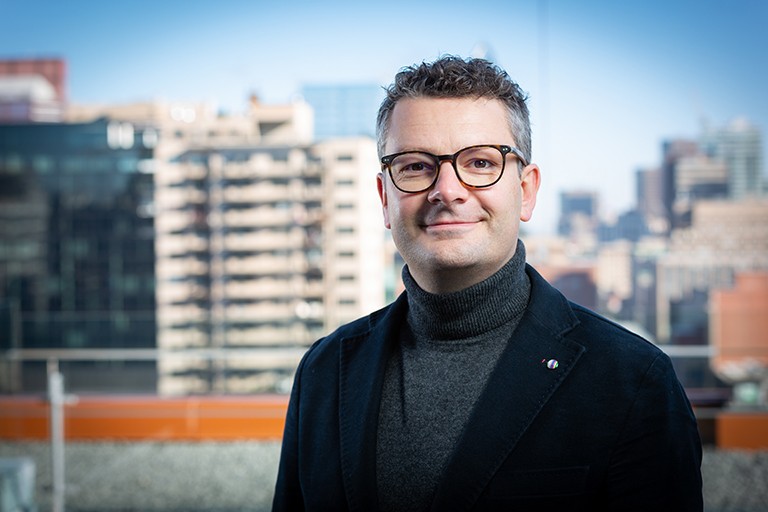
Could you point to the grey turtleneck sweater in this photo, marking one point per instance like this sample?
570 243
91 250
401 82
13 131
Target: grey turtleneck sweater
446 353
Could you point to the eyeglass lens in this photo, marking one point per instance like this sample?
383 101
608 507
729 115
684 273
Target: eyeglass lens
477 167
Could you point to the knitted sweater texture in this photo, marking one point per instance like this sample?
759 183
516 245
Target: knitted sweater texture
446 353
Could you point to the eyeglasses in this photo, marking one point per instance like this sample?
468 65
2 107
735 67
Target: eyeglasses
475 166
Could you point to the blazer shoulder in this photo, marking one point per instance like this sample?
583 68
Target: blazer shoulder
359 328
576 323
596 331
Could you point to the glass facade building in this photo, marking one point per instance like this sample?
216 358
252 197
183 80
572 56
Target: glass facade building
77 242
344 110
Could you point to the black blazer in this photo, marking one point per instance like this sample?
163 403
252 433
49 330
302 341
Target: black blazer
610 428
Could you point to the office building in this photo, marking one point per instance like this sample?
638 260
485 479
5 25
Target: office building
165 225
613 277
739 146
725 237
697 177
76 244
724 162
738 323
649 197
672 152
569 267
579 216
344 110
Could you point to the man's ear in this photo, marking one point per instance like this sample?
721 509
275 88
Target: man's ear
529 183
382 188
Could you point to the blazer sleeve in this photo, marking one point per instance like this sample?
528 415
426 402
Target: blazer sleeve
288 496
657 462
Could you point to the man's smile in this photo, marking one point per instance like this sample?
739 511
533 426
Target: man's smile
449 228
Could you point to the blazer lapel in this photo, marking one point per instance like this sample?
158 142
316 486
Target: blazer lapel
516 392
363 361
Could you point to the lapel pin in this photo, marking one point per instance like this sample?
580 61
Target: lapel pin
551 364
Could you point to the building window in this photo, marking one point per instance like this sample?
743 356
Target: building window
14 164
43 164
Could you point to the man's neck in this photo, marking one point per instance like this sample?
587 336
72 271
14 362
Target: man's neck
453 279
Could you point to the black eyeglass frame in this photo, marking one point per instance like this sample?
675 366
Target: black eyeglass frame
386 163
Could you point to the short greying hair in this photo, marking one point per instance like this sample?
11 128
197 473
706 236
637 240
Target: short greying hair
454 77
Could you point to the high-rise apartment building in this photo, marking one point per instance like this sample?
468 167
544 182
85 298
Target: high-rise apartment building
263 246
265 240
229 232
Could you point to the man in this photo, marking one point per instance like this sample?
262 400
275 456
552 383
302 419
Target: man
481 387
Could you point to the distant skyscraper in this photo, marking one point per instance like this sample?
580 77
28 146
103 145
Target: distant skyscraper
648 187
344 110
697 177
672 151
739 145
578 213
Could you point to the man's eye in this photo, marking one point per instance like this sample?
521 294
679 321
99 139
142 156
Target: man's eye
416 166
481 164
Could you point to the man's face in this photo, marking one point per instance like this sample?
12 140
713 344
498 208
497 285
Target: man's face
450 236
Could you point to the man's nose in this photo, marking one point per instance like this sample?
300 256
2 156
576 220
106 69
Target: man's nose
448 187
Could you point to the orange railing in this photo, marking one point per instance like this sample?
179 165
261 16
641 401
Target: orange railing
149 418
231 418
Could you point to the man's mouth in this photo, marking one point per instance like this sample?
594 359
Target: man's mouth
449 224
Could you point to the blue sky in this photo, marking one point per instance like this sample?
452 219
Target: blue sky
607 80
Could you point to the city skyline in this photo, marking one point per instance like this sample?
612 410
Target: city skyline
607 82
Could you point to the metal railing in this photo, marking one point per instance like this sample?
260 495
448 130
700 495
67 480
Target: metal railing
271 357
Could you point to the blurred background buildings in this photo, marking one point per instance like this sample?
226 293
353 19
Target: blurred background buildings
166 226
176 229
166 250
142 254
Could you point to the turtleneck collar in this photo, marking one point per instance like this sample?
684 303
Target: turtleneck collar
480 308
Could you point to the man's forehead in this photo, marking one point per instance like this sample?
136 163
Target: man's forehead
423 122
